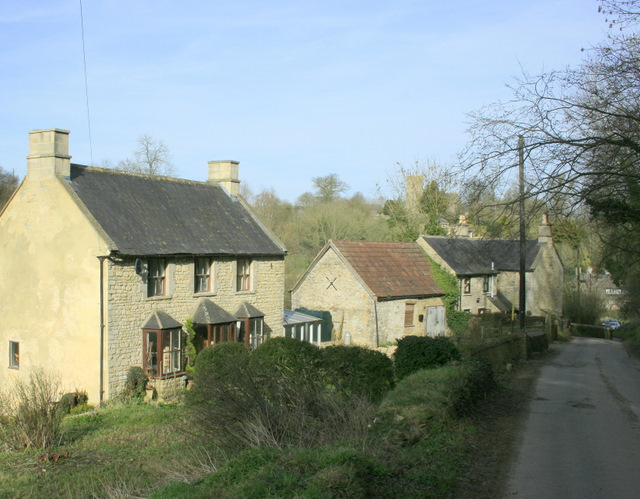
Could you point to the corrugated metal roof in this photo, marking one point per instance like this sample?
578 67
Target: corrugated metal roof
164 216
468 256
390 269
295 317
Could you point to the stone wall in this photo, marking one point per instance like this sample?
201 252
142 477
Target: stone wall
331 286
128 306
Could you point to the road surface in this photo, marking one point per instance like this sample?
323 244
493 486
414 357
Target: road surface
582 434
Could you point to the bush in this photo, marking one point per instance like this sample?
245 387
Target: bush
354 370
277 401
136 383
29 414
478 381
70 400
287 357
221 361
423 352
582 306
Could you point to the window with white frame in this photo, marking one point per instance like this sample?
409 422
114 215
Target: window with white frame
156 280
243 274
202 275
466 285
14 354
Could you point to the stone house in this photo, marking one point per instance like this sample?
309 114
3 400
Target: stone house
488 271
101 270
375 291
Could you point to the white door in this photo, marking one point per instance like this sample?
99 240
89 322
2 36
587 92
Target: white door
435 321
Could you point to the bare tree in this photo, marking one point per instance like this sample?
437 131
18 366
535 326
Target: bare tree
8 184
581 128
151 158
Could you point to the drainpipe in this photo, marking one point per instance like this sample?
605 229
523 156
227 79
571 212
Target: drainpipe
102 259
375 311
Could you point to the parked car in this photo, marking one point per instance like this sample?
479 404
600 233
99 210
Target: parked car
612 324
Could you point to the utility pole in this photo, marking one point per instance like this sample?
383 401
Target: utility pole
523 237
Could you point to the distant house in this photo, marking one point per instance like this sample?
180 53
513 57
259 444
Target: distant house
102 269
488 271
375 291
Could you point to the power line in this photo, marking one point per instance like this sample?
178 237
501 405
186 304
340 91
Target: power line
86 82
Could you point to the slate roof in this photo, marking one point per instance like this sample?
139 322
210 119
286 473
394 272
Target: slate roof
160 320
165 216
474 256
390 269
207 312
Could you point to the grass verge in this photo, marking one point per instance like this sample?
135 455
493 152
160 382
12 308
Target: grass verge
415 446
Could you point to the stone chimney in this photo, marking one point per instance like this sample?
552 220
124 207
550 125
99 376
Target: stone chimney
226 174
544 230
48 153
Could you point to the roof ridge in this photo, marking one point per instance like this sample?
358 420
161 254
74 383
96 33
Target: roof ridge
115 171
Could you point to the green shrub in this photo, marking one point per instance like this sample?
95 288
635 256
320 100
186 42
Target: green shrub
423 352
287 357
70 400
221 361
135 384
29 413
354 370
478 381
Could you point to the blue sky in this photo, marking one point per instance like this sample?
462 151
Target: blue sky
291 89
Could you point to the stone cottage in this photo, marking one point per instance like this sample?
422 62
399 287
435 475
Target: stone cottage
375 291
488 271
101 270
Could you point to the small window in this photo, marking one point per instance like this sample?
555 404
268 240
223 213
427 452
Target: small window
485 284
409 309
202 276
156 281
163 354
243 274
467 285
14 354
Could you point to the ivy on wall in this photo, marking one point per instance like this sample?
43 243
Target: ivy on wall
457 321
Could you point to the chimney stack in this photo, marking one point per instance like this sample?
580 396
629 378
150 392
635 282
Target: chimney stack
226 174
48 153
544 230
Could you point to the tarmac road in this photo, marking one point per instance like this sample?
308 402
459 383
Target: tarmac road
582 434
